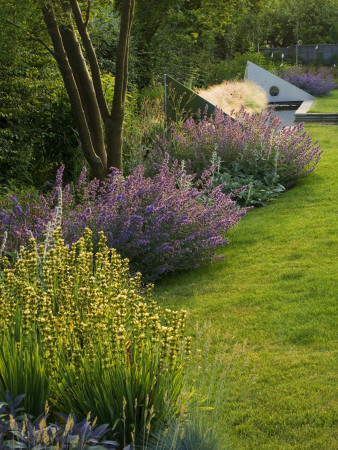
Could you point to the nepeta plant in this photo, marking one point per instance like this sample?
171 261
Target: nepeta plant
315 84
163 224
252 144
21 216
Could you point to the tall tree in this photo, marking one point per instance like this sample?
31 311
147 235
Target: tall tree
99 125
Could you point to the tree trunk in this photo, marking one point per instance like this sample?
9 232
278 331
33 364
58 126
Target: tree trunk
93 159
114 126
85 86
100 132
91 55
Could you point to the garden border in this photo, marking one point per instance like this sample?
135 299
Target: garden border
302 115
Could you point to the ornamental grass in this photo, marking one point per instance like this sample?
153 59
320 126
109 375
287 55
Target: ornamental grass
231 96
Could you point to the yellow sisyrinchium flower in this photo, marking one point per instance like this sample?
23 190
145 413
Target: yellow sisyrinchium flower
84 303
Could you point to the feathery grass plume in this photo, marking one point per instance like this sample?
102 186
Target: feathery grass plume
231 96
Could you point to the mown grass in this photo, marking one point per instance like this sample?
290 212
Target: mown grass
326 104
277 291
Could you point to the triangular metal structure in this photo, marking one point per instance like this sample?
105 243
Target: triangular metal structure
180 101
277 89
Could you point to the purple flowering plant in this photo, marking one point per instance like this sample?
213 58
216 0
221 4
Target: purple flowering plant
255 144
314 83
20 430
162 224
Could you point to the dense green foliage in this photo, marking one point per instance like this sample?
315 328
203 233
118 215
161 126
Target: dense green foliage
187 39
36 127
282 22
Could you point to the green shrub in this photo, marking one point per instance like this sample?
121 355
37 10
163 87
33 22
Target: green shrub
36 127
234 69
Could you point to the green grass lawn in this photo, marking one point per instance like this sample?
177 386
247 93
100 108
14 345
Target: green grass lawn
326 104
276 291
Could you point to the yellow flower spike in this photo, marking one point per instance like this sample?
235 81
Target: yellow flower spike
167 314
69 425
84 305
24 427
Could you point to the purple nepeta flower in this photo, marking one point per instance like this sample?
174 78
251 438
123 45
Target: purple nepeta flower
161 224
255 142
314 84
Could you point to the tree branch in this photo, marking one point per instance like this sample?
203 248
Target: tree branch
89 4
33 38
91 55
114 134
122 53
83 81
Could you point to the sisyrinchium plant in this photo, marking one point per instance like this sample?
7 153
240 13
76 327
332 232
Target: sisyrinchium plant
96 338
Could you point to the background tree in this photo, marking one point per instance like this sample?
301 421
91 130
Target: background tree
193 40
317 22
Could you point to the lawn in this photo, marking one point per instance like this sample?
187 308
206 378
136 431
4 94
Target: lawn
276 292
326 104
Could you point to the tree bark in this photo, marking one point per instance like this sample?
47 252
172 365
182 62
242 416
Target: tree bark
100 132
91 55
73 93
84 84
114 126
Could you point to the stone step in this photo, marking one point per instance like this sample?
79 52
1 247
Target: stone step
316 117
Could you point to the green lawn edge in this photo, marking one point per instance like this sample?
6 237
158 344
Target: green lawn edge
326 104
276 291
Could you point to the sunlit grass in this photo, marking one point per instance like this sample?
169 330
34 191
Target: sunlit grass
277 289
326 104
